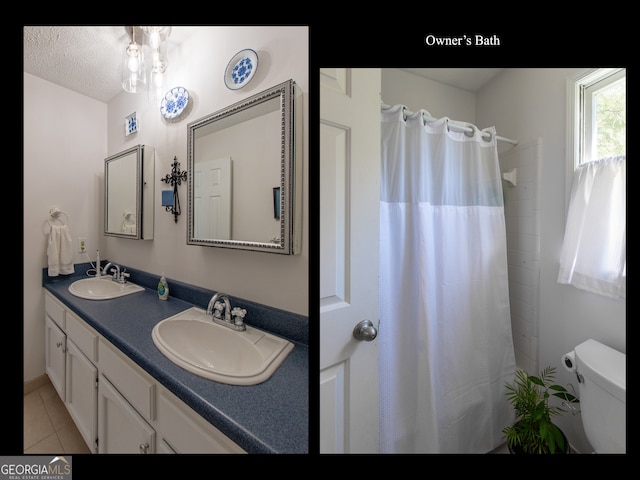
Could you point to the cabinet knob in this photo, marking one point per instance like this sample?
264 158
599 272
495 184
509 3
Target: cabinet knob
144 448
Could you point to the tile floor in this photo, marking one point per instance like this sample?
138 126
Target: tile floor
48 427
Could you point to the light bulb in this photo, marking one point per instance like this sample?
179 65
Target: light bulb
154 39
159 62
133 72
156 87
133 52
133 64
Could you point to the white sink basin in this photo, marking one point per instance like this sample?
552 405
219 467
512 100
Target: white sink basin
192 341
103 288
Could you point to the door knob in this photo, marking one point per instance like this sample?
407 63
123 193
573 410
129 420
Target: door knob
365 331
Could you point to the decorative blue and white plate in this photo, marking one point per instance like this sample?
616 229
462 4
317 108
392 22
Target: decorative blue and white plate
241 69
174 102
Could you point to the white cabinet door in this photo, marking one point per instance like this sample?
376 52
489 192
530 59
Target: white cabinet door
82 394
55 355
120 428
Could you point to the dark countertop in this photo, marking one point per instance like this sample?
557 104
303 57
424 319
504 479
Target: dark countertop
271 417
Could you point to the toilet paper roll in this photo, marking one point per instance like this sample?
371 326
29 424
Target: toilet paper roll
569 361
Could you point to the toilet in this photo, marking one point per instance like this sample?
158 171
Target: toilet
601 372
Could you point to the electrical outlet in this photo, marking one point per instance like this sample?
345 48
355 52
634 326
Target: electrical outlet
82 245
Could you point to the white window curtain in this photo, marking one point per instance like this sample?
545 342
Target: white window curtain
594 254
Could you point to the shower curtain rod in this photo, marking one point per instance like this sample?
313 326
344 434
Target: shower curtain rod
455 126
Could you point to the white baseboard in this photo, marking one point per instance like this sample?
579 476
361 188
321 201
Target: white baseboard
36 383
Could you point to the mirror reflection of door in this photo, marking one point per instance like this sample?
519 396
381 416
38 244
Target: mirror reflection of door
212 198
122 174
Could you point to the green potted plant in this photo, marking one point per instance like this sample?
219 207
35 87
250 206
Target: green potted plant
533 430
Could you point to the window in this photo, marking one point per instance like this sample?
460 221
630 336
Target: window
593 256
604 107
597 115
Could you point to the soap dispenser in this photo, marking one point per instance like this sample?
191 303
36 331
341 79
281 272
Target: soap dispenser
163 288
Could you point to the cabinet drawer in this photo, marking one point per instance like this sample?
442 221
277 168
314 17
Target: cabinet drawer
84 338
54 309
128 378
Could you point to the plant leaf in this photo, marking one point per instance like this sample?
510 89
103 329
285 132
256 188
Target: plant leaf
559 388
536 380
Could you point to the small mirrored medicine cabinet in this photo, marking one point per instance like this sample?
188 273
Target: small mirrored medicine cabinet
129 193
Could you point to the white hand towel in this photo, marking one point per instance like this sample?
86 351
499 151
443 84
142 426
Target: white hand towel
59 251
128 228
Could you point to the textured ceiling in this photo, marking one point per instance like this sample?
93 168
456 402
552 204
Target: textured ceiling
87 60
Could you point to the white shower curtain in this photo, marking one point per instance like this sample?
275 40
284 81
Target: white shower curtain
446 348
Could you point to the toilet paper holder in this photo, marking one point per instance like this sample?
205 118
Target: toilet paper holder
569 362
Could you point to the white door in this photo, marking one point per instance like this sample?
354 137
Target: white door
349 217
212 199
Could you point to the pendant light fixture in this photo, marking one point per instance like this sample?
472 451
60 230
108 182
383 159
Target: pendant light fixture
133 69
156 37
145 61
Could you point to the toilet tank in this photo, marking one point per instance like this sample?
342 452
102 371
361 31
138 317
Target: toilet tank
603 395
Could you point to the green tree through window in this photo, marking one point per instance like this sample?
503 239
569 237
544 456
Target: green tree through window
609 105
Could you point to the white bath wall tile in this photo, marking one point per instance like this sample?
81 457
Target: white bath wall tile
522 257
522 343
525 191
513 256
527 242
526 224
521 309
522 360
526 172
533 349
522 294
526 202
535 194
514 287
522 220
519 328
521 274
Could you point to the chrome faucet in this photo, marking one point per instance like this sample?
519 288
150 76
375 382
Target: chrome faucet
120 277
233 318
105 270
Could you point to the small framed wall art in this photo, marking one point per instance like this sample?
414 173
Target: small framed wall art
130 124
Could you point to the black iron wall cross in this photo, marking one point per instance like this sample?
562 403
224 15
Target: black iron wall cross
175 178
